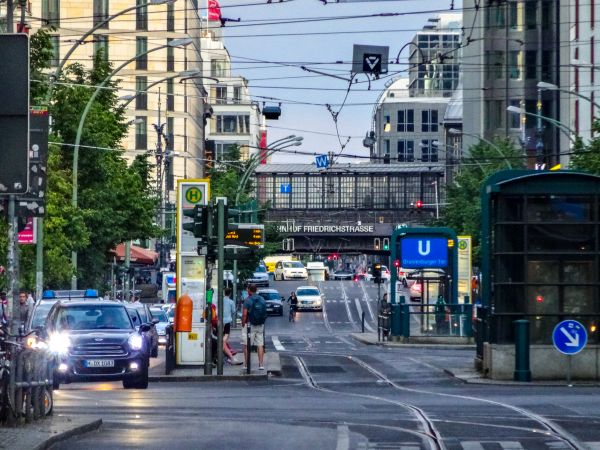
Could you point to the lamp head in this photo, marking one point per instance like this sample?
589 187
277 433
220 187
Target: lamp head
180 42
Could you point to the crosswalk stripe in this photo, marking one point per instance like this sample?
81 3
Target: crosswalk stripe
593 445
510 445
471 445
277 344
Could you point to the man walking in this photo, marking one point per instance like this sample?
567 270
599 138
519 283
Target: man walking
254 316
24 311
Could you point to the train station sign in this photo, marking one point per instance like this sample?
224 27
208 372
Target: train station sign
326 229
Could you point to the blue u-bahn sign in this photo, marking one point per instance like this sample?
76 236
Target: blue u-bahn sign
424 252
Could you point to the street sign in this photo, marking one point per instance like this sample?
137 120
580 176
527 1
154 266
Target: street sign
569 337
285 188
28 236
370 59
246 234
424 252
14 113
190 193
322 161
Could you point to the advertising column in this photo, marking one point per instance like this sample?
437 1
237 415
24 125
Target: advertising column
191 272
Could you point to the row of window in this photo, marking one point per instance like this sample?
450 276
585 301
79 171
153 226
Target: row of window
406 121
141 99
405 150
219 94
495 112
141 133
520 65
51 14
519 15
230 124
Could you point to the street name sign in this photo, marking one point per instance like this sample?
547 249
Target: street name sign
569 337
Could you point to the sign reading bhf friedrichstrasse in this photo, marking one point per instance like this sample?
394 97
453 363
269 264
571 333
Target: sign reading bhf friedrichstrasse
326 229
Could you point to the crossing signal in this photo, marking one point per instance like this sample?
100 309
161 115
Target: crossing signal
201 218
396 263
386 244
377 243
419 204
376 270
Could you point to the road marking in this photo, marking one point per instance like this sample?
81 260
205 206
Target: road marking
471 445
347 306
510 445
368 299
593 445
277 344
360 314
343 437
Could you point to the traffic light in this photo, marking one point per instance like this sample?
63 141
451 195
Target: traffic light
377 243
376 270
288 245
386 244
396 263
419 204
199 226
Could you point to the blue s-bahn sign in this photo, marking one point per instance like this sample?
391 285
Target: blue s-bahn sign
423 252
569 337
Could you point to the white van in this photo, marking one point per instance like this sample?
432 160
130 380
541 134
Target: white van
316 271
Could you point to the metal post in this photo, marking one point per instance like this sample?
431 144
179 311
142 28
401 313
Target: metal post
9 17
208 341
39 258
221 257
539 146
13 267
522 370
362 319
235 280
249 348
126 277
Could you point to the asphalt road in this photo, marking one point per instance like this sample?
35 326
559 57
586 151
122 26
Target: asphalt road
336 393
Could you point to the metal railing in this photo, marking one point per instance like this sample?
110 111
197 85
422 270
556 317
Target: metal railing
431 320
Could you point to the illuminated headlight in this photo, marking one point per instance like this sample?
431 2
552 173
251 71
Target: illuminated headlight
59 344
63 367
318 301
135 342
134 366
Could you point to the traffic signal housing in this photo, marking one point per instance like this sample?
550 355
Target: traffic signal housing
377 243
199 227
376 270
386 244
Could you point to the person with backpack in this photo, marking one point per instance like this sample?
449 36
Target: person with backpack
254 316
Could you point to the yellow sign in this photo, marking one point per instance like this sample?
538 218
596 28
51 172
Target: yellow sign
192 336
193 195
464 268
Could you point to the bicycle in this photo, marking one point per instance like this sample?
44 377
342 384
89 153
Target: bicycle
292 316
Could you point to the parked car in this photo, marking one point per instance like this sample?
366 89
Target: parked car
140 314
260 277
95 340
274 301
161 325
343 274
310 297
290 270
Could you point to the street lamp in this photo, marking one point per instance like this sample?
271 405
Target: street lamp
561 126
88 106
487 141
130 98
544 86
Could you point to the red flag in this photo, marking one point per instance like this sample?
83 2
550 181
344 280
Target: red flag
214 10
263 147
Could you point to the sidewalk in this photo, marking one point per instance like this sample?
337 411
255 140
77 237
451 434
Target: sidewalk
454 342
43 434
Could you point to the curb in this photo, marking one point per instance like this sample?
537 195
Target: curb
413 345
62 436
189 378
545 383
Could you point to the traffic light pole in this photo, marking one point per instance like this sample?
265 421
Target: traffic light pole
221 258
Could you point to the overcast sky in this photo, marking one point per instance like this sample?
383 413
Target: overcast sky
269 54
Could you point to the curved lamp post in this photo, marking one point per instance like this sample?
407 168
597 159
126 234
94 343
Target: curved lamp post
561 126
129 98
487 141
88 106
544 86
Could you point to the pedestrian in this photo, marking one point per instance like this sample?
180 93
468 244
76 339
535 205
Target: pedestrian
254 316
3 312
30 301
229 311
23 312
440 314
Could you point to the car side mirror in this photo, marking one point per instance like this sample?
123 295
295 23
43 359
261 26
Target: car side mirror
155 321
145 327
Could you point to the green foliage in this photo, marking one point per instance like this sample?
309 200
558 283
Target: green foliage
463 211
586 157
39 60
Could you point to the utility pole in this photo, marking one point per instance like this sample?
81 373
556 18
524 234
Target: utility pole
221 258
539 146
160 217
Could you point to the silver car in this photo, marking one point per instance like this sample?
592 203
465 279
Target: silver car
310 297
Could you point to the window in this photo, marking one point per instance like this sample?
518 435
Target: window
429 120
531 14
170 96
406 150
237 94
429 152
141 47
100 12
141 133
232 124
406 121
498 64
514 118
141 99
548 14
101 45
220 95
170 17
218 68
547 65
387 123
386 147
513 15
499 113
141 15
170 133
531 64
55 58
51 12
514 70
170 57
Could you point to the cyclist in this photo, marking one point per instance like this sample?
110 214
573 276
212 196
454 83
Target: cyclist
293 306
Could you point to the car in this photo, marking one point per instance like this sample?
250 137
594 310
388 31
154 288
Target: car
402 274
290 270
385 273
140 314
415 279
40 310
260 277
161 325
95 340
309 297
274 301
343 274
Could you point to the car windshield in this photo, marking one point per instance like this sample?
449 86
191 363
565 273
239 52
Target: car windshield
293 264
143 315
270 295
159 314
97 317
134 315
307 292
261 269
40 314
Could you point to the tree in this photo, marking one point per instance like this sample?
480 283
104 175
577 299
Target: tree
463 210
586 157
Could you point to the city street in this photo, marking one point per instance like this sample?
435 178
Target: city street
336 393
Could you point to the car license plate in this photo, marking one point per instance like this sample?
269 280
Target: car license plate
100 363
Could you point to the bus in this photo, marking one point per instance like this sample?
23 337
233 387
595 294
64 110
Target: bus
271 261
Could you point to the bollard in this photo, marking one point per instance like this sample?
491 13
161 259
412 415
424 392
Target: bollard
467 310
405 320
522 371
249 348
396 322
362 319
379 322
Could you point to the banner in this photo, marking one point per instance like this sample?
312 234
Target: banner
214 10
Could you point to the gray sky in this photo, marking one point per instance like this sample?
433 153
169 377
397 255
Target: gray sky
285 81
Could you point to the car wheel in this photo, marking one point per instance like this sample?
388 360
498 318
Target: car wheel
48 402
55 383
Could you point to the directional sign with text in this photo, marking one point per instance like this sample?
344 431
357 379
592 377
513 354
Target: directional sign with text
424 252
569 337
246 234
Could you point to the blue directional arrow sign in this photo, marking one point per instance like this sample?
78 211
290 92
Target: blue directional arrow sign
322 161
569 337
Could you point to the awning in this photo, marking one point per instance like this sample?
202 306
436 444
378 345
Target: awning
139 255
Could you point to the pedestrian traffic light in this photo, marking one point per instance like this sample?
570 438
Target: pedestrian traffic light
386 244
419 204
396 263
198 227
376 270
376 243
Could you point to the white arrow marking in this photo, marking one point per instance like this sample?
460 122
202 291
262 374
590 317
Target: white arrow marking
573 340
372 61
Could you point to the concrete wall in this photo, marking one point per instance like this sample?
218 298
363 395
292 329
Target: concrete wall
546 362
